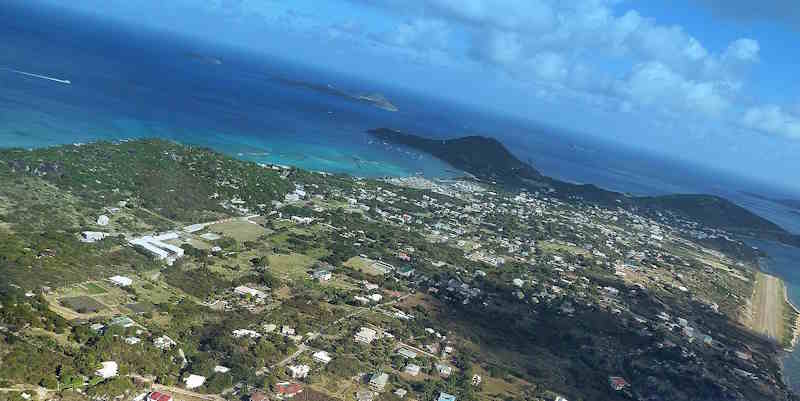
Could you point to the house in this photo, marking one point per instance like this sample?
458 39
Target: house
444 370
617 383
102 220
121 281
287 390
92 236
163 343
476 380
287 331
247 291
322 274
321 357
382 267
302 220
221 369
365 395
378 381
157 396
400 392
245 333
407 353
299 371
194 381
122 321
132 340
108 370
412 369
446 397
405 271
258 396
375 297
366 335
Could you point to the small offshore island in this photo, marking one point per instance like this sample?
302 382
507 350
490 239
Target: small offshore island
150 265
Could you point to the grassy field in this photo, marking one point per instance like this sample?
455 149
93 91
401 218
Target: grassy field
363 265
94 288
82 304
239 230
293 266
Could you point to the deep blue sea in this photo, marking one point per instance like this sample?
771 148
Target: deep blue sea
128 83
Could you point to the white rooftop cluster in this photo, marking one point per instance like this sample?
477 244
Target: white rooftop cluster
158 248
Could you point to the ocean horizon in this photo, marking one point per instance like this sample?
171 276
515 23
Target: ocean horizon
67 79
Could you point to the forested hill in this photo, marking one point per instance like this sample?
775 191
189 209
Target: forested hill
484 157
488 159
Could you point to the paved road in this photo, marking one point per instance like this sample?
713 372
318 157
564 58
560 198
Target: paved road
768 306
176 392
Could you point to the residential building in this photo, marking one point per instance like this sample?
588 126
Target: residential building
400 392
322 274
444 370
121 281
412 369
476 380
617 383
405 271
122 321
247 291
108 370
163 343
446 397
158 396
299 371
194 381
366 335
322 357
102 220
92 236
365 395
287 390
407 353
378 381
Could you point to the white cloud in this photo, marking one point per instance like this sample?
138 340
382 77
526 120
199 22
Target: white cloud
744 50
772 120
655 85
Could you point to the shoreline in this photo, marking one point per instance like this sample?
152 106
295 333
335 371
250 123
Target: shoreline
788 351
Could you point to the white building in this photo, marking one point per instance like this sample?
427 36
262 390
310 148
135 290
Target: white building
194 381
244 291
108 370
322 357
160 249
299 371
102 220
132 340
245 333
221 369
412 369
366 335
163 343
121 281
92 236
378 381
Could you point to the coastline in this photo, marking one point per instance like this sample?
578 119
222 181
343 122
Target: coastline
796 328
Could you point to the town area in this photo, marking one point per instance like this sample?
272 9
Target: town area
228 280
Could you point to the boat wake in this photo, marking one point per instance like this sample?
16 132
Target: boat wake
30 74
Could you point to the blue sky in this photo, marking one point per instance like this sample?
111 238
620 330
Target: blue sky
712 81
